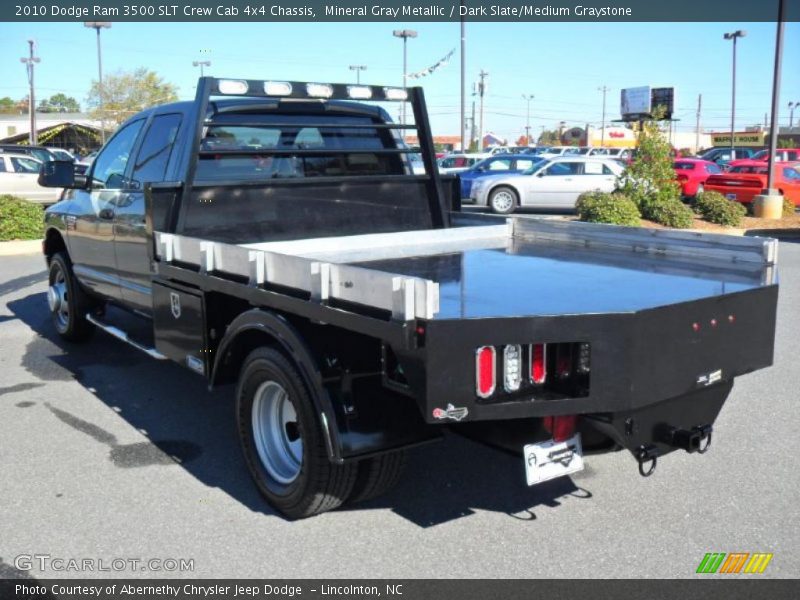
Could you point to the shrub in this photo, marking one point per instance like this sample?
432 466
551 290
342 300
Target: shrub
20 219
715 208
599 207
667 211
788 207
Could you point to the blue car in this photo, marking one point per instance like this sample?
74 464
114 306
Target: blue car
499 164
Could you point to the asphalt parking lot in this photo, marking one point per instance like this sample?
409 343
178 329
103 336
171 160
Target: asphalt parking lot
106 454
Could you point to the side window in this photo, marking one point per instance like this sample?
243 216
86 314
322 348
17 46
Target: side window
151 163
503 164
592 167
607 170
713 169
109 167
524 165
2 165
24 165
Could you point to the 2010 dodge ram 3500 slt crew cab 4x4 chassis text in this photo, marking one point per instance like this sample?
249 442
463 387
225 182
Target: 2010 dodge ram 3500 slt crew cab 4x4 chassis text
273 236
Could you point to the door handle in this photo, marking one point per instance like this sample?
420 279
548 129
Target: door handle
106 213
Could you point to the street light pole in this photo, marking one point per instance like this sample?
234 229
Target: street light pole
528 98
463 80
776 93
97 26
29 63
733 36
603 89
792 106
358 69
405 34
201 64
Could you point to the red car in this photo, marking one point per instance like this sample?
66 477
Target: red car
784 155
749 178
692 174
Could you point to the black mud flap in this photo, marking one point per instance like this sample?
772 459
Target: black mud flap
681 423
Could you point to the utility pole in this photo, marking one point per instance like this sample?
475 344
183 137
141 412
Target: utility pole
463 79
792 106
733 36
776 94
528 98
29 63
603 89
481 91
201 64
358 69
697 126
97 26
472 127
404 34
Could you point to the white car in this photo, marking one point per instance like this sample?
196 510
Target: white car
456 163
19 176
555 183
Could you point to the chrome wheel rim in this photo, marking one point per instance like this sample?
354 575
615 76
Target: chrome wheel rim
57 299
502 201
276 433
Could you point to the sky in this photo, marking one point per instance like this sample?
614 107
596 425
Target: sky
561 64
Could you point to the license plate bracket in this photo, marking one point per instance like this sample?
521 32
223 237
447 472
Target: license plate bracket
548 460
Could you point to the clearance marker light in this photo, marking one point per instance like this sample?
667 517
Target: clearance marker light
232 86
512 367
277 88
359 92
319 90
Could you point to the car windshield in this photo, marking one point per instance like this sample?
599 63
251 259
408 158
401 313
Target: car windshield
25 165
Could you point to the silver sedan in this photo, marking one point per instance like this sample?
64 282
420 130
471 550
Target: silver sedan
552 184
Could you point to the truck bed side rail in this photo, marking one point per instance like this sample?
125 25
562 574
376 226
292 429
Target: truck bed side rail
691 246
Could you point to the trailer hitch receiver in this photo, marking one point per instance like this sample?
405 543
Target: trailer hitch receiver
691 440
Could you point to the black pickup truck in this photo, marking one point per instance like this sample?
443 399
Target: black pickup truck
274 235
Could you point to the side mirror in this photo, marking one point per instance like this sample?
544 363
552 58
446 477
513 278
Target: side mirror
540 174
58 174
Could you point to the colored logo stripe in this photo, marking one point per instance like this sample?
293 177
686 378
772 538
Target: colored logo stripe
734 562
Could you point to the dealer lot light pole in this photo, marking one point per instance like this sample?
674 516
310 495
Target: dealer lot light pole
97 26
201 64
733 36
358 69
528 98
404 34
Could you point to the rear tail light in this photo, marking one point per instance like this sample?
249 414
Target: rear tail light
485 371
512 367
538 363
562 427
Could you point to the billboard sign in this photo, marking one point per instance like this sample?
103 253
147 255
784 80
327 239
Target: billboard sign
635 101
663 97
752 139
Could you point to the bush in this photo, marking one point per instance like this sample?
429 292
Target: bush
667 211
20 219
600 207
715 208
788 207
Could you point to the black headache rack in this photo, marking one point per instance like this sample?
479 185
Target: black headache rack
441 193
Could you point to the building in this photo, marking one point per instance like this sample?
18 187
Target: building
60 130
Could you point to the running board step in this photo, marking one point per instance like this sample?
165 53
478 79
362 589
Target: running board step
121 335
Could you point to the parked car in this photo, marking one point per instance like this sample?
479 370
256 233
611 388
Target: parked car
722 156
19 176
40 153
554 183
456 163
782 155
62 154
692 174
749 178
500 164
83 164
558 151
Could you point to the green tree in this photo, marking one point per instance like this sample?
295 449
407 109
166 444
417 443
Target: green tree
62 103
650 176
125 93
549 138
7 105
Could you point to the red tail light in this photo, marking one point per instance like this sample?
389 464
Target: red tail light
538 363
485 371
562 427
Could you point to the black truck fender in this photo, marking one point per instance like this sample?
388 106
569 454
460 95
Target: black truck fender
378 420
257 327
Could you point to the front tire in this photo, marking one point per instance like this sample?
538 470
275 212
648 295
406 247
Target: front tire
68 303
503 200
282 439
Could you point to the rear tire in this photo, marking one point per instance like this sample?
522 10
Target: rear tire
378 475
503 200
68 303
282 439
